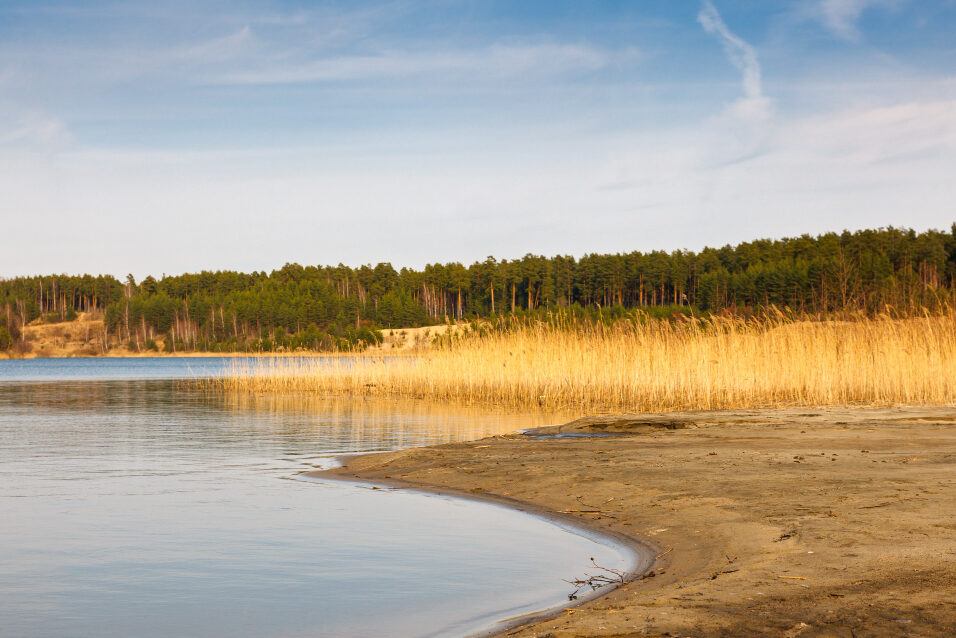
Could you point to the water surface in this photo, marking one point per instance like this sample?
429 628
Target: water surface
133 505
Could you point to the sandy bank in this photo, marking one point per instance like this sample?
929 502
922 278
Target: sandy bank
776 523
85 337
199 354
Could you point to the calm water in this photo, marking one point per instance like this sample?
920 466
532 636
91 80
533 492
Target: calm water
130 505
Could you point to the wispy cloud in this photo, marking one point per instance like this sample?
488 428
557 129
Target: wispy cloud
841 16
495 60
219 49
890 134
416 123
109 44
754 104
32 130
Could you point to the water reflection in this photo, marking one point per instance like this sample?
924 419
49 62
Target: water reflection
138 507
380 424
116 416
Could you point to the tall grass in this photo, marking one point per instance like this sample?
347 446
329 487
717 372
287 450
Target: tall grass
646 364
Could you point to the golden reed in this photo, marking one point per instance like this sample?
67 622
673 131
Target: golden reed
649 365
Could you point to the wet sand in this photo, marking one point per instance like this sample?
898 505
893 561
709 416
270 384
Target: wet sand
837 522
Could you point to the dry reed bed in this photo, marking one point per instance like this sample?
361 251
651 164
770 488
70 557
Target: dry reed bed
652 365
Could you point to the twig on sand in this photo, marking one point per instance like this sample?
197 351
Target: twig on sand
596 581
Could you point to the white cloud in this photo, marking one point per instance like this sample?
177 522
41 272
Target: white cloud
33 130
849 167
220 49
881 136
496 60
445 198
464 189
754 105
841 16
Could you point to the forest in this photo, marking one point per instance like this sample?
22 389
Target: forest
328 308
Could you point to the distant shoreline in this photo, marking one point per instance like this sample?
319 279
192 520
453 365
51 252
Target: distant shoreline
185 355
82 338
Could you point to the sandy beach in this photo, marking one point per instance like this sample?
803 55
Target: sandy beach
811 522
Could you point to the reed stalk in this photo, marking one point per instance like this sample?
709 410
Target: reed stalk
649 365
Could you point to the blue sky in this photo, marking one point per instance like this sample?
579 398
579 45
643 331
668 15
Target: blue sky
165 137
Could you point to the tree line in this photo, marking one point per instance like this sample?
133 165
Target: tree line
337 307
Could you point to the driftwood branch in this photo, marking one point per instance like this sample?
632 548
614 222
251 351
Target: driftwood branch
596 581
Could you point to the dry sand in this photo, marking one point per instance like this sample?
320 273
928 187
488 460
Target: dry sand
405 339
84 338
833 522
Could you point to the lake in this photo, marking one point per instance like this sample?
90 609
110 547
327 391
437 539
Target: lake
132 503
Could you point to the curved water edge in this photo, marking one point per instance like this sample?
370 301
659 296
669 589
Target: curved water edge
124 491
641 554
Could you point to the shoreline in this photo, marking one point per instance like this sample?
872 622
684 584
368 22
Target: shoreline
210 355
811 522
643 553
65 340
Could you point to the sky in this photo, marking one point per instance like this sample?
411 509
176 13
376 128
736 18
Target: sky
168 137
